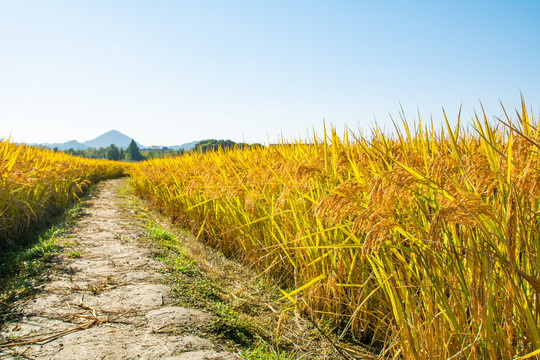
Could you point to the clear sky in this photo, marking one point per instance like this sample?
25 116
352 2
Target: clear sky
170 72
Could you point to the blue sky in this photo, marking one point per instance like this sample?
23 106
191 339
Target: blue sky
170 72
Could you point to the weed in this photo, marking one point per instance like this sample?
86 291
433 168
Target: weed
232 326
73 254
156 233
262 352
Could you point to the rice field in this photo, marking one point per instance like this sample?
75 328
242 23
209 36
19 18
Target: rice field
36 184
423 243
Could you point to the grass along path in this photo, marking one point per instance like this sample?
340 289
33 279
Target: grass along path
105 298
249 318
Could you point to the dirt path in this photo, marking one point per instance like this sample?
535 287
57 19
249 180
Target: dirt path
105 300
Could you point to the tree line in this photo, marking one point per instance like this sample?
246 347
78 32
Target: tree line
214 145
133 153
111 152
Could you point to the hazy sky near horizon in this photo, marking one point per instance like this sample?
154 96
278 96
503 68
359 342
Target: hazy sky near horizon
170 72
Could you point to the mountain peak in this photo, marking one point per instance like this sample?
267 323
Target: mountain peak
110 137
113 132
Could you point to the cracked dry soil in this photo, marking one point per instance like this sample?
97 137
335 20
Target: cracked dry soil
108 303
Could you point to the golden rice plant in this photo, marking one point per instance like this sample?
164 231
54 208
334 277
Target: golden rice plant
36 183
423 244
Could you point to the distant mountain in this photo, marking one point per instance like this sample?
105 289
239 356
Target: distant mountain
110 137
105 140
73 144
186 146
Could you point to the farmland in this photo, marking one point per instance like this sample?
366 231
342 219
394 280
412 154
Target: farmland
423 243
36 184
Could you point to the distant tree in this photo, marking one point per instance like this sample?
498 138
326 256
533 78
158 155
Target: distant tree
93 153
113 153
133 153
213 145
73 152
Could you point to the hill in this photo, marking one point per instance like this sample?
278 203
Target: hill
186 146
73 144
110 137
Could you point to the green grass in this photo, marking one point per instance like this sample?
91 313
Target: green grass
261 352
73 254
192 288
23 269
28 264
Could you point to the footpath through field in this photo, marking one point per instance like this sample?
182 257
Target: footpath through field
105 299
